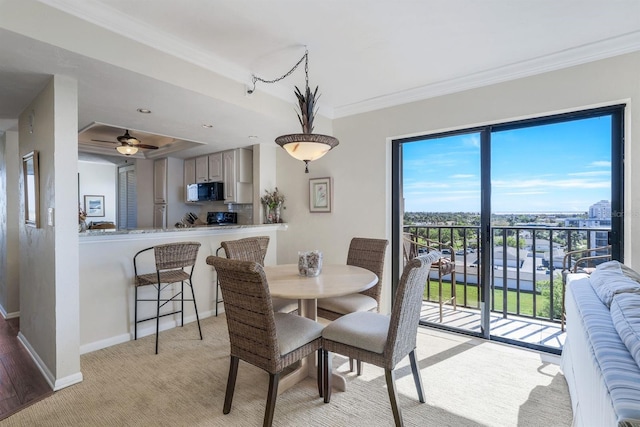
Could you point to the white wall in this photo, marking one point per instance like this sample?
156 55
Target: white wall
49 293
99 179
144 190
264 177
360 165
176 206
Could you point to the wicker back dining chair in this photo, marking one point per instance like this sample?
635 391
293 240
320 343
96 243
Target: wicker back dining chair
383 340
259 336
366 253
174 263
255 249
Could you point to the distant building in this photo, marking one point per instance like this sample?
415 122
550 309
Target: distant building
599 217
600 210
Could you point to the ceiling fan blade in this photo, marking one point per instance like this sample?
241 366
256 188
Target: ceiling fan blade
102 140
150 147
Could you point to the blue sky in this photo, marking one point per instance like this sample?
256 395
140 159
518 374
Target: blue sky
563 167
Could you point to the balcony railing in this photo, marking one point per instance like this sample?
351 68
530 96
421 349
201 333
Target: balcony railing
526 265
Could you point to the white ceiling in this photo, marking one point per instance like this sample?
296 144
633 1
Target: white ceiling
364 55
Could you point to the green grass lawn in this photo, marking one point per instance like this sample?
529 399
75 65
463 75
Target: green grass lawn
526 298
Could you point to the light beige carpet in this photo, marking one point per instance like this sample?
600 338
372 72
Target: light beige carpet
467 382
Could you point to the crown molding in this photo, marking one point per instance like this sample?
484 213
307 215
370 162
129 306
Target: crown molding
608 48
106 17
103 16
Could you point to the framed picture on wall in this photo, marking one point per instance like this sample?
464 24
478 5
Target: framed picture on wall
320 195
94 205
31 180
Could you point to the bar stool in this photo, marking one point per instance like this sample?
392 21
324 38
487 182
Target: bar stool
174 263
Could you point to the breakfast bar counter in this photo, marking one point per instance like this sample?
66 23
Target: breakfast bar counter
106 277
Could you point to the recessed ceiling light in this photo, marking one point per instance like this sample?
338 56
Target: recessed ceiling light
253 137
144 111
207 126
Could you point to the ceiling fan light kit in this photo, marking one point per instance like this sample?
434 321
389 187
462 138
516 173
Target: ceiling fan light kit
127 150
305 146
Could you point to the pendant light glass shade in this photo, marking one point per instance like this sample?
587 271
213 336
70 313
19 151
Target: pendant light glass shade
307 146
127 150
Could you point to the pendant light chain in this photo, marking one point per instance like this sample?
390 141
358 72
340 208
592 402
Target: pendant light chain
306 146
305 57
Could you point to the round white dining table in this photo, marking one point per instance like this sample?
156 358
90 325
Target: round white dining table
335 280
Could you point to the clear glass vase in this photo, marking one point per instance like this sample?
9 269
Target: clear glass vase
277 212
267 214
309 263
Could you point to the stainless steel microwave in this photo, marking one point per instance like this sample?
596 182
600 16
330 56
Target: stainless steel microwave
205 192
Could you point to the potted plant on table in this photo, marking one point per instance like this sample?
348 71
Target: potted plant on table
272 203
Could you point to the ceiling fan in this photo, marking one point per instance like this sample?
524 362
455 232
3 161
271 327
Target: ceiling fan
128 144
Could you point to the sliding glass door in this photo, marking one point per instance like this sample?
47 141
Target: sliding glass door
442 204
506 205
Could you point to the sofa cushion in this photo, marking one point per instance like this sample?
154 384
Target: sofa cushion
610 356
609 279
617 265
625 313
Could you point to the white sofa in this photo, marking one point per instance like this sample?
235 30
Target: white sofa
601 355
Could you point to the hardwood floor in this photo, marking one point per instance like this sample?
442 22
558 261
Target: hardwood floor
21 382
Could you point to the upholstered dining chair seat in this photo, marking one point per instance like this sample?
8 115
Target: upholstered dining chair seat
284 305
349 303
294 331
365 330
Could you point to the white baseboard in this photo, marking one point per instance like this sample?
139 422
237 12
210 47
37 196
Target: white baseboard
67 381
8 315
48 376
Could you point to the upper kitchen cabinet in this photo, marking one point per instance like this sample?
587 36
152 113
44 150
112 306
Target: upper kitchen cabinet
160 180
238 175
189 172
215 167
209 168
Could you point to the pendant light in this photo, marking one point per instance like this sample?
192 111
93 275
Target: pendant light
306 146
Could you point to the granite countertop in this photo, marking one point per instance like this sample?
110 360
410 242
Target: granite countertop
201 228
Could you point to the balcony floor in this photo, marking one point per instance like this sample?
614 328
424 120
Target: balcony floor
524 329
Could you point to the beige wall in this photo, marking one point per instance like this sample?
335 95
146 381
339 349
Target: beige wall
49 297
360 165
9 239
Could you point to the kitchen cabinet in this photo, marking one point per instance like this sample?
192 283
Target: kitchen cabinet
160 216
209 168
189 172
238 175
189 175
160 180
215 167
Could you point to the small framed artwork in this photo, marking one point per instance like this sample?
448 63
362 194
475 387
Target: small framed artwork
94 205
320 195
31 177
